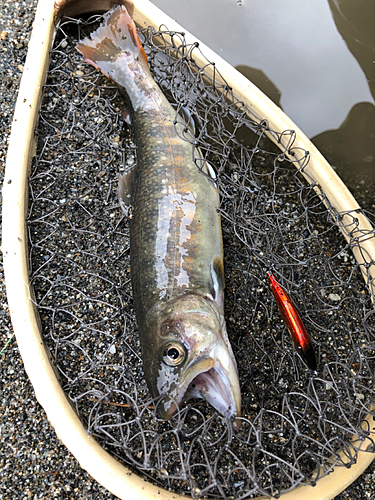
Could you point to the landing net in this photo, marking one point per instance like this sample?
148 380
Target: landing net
295 421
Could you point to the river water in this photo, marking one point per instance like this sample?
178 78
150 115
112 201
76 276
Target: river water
316 59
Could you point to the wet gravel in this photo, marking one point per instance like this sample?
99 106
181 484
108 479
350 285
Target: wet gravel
33 463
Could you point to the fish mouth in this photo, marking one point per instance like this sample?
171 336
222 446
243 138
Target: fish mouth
207 379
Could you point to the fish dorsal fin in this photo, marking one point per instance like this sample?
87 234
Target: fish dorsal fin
116 36
126 117
124 190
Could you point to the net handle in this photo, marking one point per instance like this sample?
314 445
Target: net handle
103 467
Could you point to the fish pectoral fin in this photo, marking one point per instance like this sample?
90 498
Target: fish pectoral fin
124 190
217 280
210 171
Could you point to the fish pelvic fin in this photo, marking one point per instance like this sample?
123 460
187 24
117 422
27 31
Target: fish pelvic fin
117 35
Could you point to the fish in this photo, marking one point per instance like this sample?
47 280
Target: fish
293 322
176 247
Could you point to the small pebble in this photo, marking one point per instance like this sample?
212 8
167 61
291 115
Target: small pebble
334 297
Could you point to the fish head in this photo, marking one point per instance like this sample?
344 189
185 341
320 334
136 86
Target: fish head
187 355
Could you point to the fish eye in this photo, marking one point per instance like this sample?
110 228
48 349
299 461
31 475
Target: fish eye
174 354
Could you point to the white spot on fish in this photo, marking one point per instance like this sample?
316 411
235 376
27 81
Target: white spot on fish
179 207
166 379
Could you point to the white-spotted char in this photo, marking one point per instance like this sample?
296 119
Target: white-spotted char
175 238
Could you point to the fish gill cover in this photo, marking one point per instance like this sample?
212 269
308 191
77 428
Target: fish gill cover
294 420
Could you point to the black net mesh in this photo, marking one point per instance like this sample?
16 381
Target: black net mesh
295 421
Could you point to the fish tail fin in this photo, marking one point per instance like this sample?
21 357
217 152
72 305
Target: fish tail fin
115 37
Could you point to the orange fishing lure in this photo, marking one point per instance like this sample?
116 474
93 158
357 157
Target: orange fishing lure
293 322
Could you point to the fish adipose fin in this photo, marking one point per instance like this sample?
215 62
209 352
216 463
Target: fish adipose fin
116 36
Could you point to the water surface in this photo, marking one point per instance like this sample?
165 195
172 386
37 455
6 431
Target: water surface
315 59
